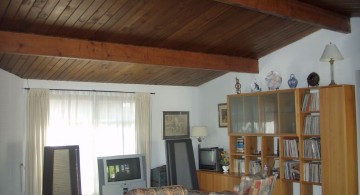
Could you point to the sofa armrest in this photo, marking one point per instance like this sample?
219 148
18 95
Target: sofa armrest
163 190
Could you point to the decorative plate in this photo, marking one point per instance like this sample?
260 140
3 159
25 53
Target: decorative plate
313 79
273 80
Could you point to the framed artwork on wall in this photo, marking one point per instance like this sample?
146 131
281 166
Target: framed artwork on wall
222 115
176 125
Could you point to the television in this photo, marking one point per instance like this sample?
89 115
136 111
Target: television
209 158
118 174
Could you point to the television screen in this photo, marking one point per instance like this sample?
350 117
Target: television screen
208 157
123 169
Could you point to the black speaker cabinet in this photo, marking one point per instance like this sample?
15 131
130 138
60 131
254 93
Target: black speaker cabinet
180 162
61 174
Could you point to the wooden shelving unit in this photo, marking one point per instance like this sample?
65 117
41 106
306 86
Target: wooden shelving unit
272 123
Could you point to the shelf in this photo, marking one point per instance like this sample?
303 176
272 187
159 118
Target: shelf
271 156
291 180
311 112
310 136
311 159
311 183
238 154
253 155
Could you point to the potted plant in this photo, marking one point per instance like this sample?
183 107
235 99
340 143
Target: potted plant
225 160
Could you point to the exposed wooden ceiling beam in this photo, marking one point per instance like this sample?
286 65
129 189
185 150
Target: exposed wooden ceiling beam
21 43
298 11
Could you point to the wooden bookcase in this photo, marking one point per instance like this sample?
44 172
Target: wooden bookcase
278 129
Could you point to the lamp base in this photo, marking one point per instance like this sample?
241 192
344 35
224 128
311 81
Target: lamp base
332 83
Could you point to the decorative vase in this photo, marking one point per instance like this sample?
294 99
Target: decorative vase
225 168
292 82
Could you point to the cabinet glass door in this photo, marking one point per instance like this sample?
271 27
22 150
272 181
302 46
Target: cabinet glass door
269 113
244 116
251 115
236 113
287 113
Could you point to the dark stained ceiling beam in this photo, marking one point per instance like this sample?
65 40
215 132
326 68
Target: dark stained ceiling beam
297 11
31 44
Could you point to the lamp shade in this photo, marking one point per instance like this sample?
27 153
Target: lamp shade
331 52
199 131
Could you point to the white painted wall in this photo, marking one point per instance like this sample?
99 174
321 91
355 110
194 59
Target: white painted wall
12 123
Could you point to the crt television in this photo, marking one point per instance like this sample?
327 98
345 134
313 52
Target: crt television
123 172
209 158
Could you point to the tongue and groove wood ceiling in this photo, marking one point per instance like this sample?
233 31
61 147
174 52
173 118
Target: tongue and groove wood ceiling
159 42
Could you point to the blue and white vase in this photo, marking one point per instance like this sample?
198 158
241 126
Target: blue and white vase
292 82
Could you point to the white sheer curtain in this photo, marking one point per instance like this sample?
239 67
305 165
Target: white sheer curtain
102 124
38 115
143 129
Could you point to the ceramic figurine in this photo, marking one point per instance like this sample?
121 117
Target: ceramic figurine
292 82
237 86
255 86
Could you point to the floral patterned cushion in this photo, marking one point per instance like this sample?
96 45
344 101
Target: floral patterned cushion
255 186
262 186
164 190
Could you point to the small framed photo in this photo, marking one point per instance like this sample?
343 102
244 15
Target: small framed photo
176 125
222 115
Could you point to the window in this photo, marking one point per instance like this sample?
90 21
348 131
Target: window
102 124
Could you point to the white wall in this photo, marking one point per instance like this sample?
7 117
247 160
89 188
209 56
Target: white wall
12 123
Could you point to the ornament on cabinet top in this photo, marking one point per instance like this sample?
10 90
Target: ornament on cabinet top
313 79
292 82
273 80
255 86
237 86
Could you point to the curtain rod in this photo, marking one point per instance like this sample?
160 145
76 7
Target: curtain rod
93 90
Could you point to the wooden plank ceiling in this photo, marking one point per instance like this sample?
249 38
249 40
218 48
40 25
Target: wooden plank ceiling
160 42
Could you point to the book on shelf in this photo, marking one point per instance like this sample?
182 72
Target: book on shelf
239 165
312 148
240 145
312 125
292 170
312 172
291 148
311 102
254 166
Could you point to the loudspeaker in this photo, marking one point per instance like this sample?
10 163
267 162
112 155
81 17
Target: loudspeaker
181 169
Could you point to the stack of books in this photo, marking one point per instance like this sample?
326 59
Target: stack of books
240 145
239 165
255 167
312 125
311 102
312 148
291 148
312 172
292 170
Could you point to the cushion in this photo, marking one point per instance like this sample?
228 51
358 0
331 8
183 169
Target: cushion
255 186
262 186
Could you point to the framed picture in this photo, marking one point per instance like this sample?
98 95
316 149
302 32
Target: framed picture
222 115
176 124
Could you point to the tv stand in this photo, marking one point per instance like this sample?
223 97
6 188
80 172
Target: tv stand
116 189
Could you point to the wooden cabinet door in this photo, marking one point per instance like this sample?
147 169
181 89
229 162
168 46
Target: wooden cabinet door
338 140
